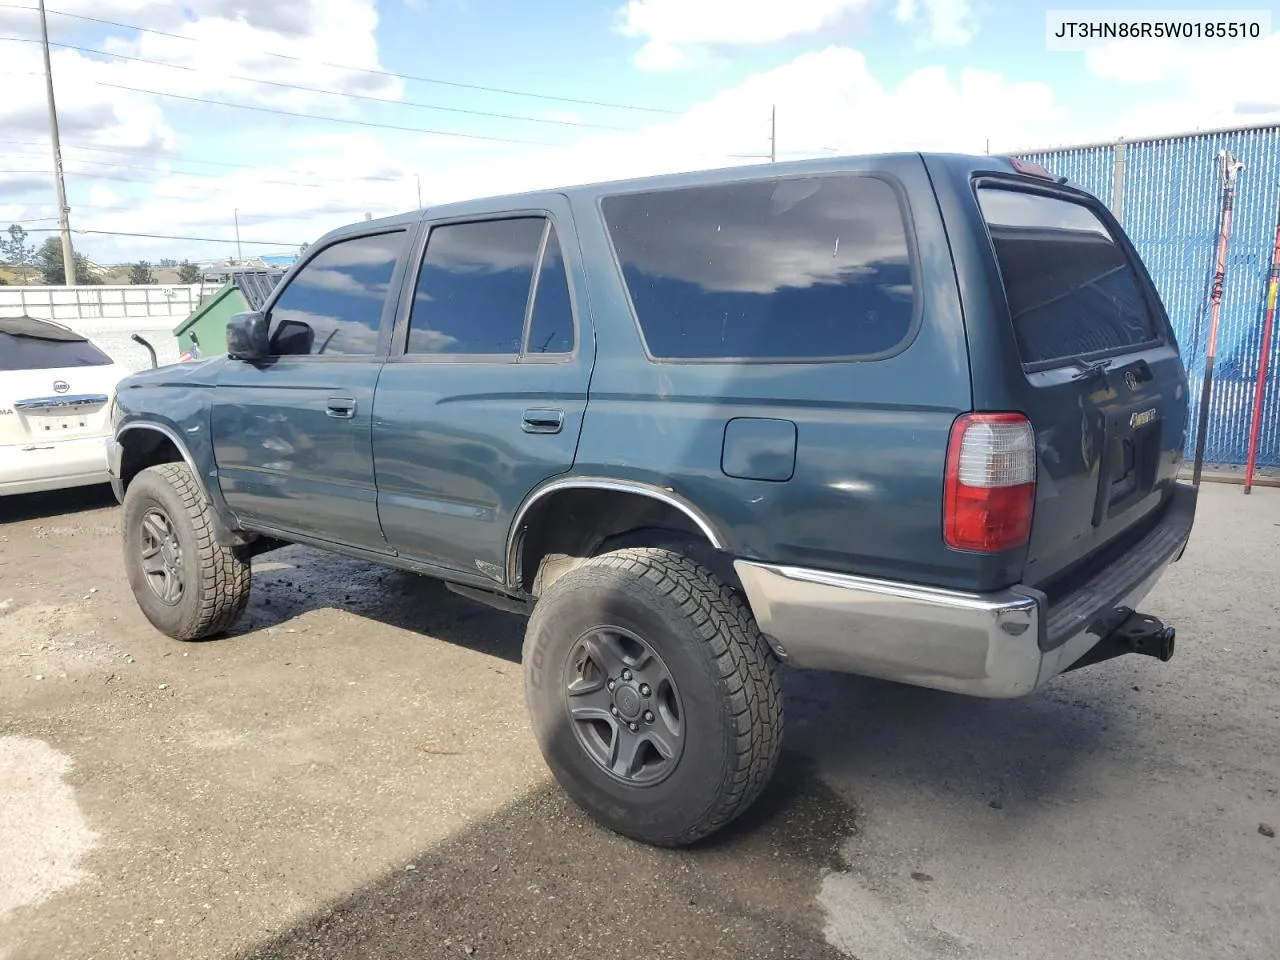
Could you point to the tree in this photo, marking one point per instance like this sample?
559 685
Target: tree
168 262
188 272
140 272
17 252
48 260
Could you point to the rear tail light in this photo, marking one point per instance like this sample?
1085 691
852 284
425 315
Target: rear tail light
991 482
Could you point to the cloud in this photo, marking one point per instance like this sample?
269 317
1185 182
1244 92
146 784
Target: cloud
1200 85
290 19
676 32
828 103
946 23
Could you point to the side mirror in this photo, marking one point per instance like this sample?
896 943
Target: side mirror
247 336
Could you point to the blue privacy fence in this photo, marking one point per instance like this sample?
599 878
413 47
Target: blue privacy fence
1168 194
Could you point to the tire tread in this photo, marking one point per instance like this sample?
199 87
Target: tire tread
224 573
744 662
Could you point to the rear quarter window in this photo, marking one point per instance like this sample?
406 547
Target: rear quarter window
786 269
1071 288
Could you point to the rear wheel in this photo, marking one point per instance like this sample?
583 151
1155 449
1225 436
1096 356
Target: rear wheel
188 585
652 694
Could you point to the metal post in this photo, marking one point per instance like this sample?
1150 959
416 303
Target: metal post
1264 355
419 182
1228 167
239 256
64 212
1117 179
773 134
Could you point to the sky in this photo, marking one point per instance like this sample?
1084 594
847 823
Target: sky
297 116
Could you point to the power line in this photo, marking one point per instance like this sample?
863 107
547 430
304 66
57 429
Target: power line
191 173
333 93
384 73
163 236
212 163
83 176
312 116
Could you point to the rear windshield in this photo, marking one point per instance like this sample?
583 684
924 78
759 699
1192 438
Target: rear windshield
810 268
1071 289
25 352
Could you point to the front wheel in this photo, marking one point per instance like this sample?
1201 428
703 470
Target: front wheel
652 694
188 585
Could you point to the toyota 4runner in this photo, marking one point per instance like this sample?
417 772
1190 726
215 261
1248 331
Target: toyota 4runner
914 417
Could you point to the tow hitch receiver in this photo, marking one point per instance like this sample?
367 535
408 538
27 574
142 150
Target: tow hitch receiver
1138 633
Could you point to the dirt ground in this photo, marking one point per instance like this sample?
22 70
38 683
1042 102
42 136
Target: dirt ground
351 775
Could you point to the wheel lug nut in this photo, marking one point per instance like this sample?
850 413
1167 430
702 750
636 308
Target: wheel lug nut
612 684
613 710
634 727
626 674
644 689
648 716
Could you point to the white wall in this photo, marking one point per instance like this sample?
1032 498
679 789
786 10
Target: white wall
109 315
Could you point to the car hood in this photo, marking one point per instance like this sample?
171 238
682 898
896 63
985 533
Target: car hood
194 373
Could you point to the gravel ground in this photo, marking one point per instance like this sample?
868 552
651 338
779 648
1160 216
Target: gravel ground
112 336
351 775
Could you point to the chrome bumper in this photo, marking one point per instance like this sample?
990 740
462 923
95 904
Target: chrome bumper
1003 644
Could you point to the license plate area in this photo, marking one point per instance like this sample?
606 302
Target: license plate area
1130 459
42 425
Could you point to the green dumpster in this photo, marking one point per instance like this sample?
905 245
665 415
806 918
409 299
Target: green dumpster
204 332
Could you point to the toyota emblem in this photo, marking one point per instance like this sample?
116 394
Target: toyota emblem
61 386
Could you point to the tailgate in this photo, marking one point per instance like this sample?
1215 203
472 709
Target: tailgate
1100 376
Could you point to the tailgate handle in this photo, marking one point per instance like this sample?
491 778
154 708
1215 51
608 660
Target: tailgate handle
543 421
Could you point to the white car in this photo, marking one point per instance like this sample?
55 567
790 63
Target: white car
56 391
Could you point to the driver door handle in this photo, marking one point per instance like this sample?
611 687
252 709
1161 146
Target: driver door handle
543 420
341 408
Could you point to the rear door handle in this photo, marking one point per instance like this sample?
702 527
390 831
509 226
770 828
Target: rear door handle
543 421
341 408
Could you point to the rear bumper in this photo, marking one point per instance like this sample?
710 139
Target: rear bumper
1003 644
32 467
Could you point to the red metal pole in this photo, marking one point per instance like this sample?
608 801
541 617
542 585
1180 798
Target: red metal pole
1228 167
1272 284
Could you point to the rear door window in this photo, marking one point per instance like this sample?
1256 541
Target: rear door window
1071 288
492 288
796 269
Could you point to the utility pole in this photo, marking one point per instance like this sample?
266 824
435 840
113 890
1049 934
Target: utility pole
773 134
239 255
419 181
64 212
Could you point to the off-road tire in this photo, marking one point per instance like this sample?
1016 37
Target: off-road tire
215 578
705 634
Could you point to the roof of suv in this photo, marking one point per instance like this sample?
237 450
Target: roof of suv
590 191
